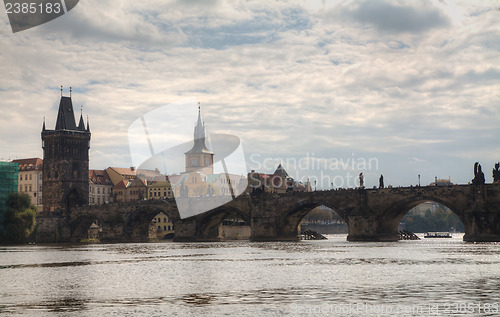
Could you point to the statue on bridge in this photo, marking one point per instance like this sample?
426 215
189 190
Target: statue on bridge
478 175
381 181
496 173
361 181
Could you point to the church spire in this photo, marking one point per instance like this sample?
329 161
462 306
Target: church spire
199 136
199 130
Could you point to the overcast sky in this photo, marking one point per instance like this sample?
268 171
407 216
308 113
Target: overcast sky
412 85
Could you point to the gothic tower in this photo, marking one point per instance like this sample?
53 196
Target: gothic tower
65 160
199 158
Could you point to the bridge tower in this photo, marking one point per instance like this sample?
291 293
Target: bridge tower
199 158
65 160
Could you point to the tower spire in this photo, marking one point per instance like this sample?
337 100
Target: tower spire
199 130
81 124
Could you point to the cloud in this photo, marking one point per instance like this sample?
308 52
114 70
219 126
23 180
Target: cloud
285 88
391 17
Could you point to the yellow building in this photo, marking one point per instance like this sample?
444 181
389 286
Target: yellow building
164 227
120 191
160 189
30 179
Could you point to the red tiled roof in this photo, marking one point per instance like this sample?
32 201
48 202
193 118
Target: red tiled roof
122 184
99 177
29 164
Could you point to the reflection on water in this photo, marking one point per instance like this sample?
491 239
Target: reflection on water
247 279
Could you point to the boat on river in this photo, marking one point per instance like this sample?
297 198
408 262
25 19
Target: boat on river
438 235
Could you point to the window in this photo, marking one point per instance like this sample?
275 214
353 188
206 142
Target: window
20 177
159 228
26 177
25 188
20 188
30 176
98 190
165 228
30 188
164 219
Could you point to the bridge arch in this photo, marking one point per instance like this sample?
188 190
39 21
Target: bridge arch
80 226
208 226
139 220
398 210
289 223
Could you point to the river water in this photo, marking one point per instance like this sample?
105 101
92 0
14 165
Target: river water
430 277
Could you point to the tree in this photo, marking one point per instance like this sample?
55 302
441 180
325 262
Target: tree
19 220
442 219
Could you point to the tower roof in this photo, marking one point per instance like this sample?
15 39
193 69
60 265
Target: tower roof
199 137
81 125
199 129
65 115
281 171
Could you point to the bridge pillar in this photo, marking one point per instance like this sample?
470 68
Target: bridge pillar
52 228
482 222
264 218
185 231
482 225
265 228
366 225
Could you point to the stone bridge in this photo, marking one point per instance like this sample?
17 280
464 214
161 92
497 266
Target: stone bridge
371 214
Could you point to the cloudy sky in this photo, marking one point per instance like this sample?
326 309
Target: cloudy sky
411 87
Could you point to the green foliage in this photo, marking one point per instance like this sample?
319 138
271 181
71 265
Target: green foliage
440 220
19 220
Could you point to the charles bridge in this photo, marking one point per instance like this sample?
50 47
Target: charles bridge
371 214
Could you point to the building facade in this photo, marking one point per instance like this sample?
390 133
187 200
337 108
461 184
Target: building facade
278 182
161 227
100 188
30 179
65 161
160 188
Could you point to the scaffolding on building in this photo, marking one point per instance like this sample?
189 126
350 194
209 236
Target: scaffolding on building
9 175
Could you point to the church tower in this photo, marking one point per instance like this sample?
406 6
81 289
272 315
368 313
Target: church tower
65 160
199 158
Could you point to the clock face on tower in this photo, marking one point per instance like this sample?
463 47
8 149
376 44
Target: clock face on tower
207 162
193 162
